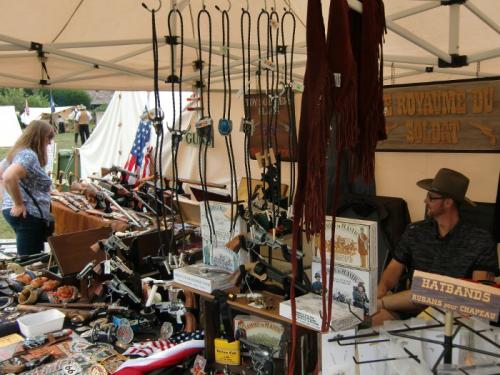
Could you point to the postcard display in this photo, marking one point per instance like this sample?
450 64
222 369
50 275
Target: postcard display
355 272
218 254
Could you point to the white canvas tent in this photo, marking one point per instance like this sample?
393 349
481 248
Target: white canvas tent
111 141
95 44
35 113
10 128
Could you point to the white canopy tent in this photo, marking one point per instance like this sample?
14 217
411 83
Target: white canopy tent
94 44
111 141
10 128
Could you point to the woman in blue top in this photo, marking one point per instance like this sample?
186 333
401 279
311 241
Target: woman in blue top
23 169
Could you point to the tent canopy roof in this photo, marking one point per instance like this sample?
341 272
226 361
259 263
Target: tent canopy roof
94 44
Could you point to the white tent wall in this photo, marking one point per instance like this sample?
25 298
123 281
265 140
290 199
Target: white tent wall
111 140
9 126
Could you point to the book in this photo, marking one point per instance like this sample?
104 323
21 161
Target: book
216 253
355 286
260 331
309 310
355 242
203 277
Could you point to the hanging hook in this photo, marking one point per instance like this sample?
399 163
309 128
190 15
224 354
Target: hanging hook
274 6
227 10
247 6
152 10
265 5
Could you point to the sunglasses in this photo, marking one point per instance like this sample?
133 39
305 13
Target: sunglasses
434 198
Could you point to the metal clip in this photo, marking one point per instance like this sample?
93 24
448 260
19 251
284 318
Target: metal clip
246 126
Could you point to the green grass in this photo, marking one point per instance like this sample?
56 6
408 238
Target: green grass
64 141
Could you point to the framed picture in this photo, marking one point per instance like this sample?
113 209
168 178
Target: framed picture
452 116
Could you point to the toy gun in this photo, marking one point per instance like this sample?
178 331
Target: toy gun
107 195
261 356
117 286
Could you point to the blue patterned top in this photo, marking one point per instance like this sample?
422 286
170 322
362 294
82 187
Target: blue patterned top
36 181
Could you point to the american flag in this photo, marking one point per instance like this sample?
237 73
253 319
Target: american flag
161 353
139 159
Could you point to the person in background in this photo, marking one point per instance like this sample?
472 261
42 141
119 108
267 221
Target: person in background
83 118
60 124
23 169
442 244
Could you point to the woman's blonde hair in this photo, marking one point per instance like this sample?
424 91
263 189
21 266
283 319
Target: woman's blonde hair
33 137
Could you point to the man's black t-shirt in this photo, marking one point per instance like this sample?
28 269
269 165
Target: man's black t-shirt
463 250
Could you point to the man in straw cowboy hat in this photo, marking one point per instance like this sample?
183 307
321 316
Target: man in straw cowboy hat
83 118
442 243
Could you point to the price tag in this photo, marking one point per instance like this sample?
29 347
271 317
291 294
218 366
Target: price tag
240 92
107 267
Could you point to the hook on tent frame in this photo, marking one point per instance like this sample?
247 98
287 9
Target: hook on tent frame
246 8
152 10
229 6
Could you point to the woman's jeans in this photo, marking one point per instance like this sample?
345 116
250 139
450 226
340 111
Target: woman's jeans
30 232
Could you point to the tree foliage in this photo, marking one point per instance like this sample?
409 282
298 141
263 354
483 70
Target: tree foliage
40 97
17 98
68 97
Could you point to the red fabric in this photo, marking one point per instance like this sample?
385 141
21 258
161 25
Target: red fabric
370 32
344 71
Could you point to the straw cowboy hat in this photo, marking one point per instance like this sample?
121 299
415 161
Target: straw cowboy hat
448 183
81 107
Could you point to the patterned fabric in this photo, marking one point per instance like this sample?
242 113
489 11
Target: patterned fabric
36 181
178 348
138 161
146 348
463 250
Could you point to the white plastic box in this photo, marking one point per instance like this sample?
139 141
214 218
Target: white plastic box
39 323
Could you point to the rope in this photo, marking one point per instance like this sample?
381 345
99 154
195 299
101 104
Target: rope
247 125
225 123
205 124
158 125
176 132
290 102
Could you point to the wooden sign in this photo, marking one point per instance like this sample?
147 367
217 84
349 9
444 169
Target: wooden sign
452 116
261 112
456 295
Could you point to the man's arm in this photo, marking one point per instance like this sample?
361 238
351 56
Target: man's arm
482 275
390 277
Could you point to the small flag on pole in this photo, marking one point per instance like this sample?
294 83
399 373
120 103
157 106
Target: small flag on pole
139 159
52 104
26 107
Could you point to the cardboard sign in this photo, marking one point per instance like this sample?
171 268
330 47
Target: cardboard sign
452 116
262 112
456 295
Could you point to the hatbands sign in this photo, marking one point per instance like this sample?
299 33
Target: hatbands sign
452 116
457 295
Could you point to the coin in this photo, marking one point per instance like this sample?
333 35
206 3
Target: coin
166 330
